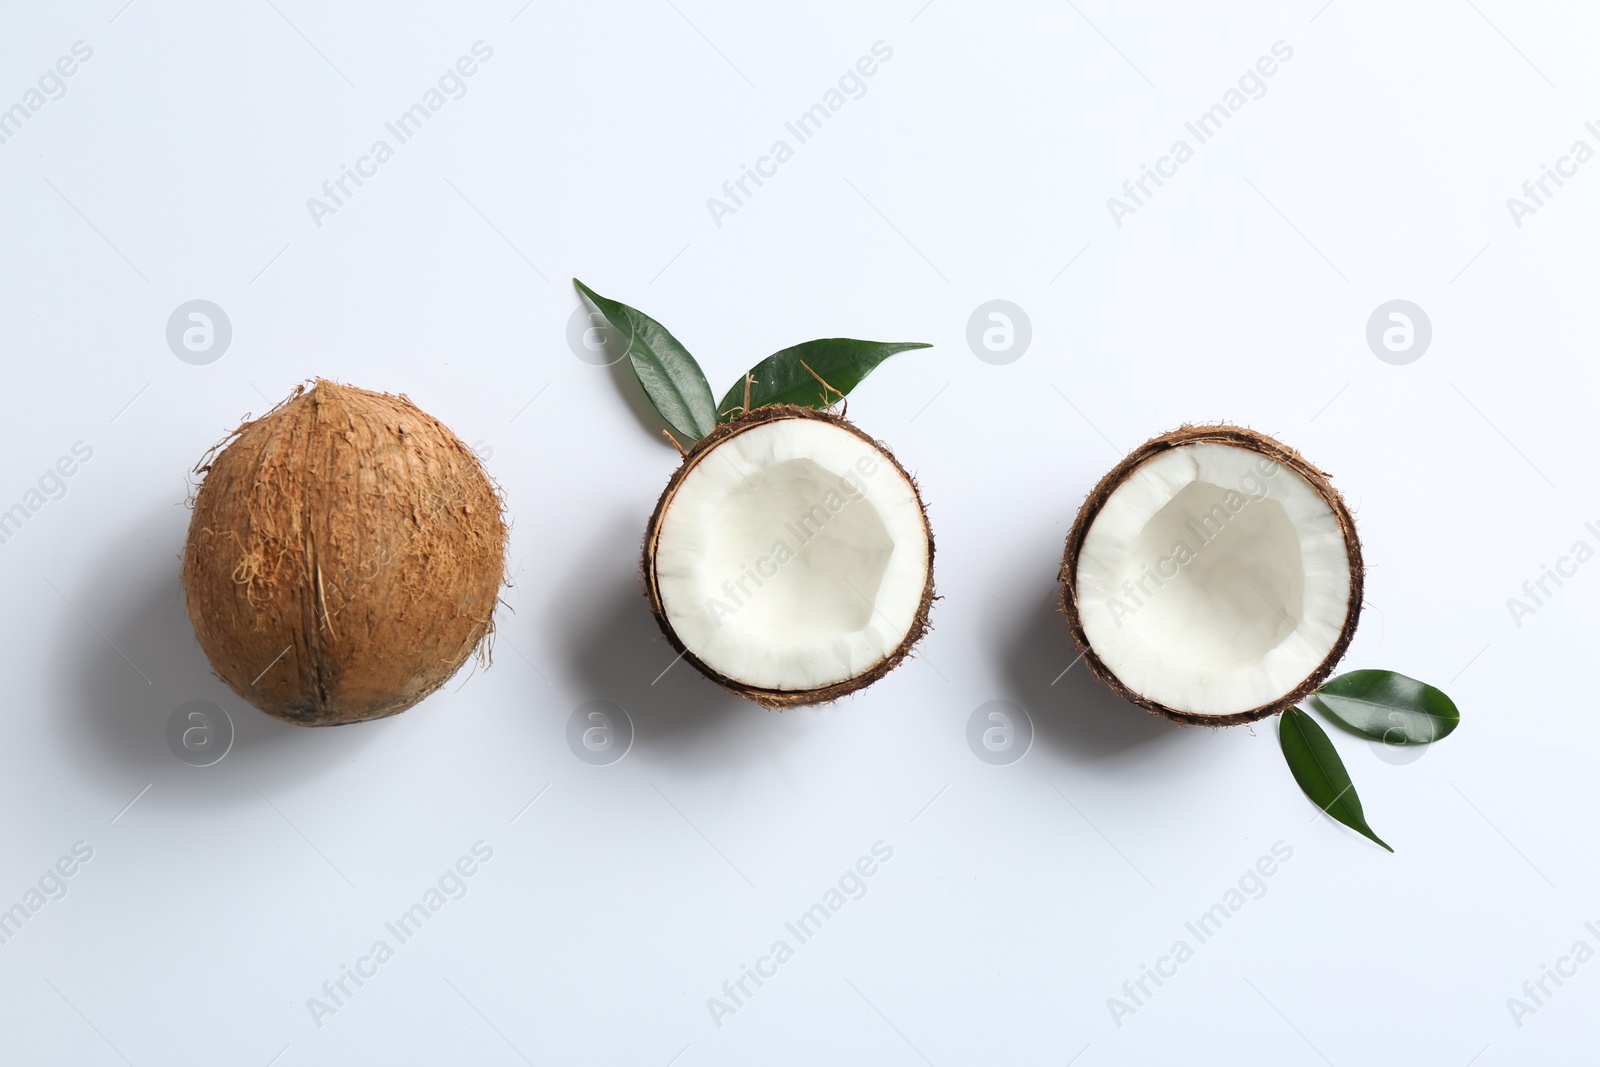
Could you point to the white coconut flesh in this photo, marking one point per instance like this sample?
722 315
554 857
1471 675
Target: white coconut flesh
1213 580
793 556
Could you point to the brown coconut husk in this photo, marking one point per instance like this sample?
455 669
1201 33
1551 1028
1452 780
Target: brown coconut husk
779 698
1239 437
344 557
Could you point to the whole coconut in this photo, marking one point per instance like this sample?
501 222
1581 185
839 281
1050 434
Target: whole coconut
344 557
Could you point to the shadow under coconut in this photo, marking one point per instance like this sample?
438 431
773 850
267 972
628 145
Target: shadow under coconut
619 653
1074 712
114 711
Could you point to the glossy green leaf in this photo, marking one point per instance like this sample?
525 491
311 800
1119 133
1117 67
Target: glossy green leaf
1319 770
671 378
782 378
1387 707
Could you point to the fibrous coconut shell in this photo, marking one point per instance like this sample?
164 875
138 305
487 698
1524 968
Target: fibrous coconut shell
344 557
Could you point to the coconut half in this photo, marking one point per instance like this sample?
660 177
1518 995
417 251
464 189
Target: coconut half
789 558
1213 576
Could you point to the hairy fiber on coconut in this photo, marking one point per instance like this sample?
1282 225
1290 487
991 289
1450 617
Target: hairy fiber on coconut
344 557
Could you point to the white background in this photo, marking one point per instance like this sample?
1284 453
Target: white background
976 166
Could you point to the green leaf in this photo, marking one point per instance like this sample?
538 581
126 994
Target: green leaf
1319 770
671 378
1387 707
782 378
